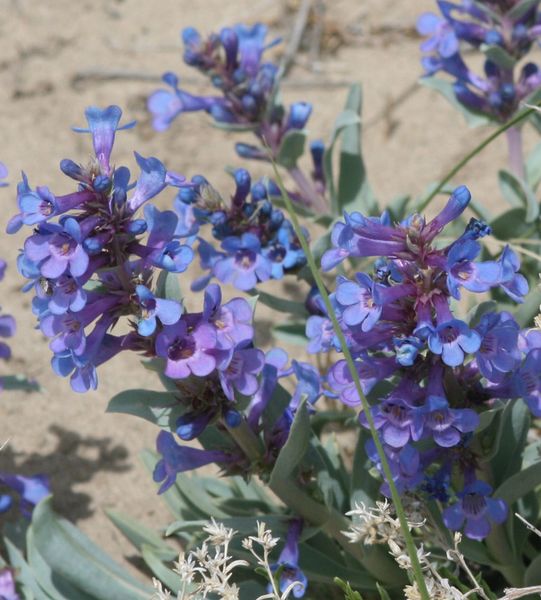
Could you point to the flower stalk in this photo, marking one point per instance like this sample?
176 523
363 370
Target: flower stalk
410 546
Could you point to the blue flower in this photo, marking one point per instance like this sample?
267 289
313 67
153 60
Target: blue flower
31 490
445 424
152 308
3 174
320 332
7 585
358 300
463 272
241 372
370 370
498 353
512 283
150 183
452 340
443 38
476 509
103 124
245 265
165 106
176 459
395 420
526 382
288 562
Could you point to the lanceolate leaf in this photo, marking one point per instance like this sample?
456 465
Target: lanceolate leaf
295 447
139 535
354 192
161 408
520 484
292 148
345 119
74 557
518 193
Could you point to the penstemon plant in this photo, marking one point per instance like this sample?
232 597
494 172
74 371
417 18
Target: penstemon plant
439 390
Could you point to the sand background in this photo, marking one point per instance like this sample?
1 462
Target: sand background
47 51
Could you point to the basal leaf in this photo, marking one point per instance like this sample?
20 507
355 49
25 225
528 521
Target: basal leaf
74 557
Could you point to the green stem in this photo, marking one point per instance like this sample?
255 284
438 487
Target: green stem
518 119
410 545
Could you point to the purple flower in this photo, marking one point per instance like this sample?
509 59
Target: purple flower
526 382
7 330
67 294
31 490
452 340
358 300
40 205
67 332
150 183
166 106
284 252
152 308
232 320
498 353
187 351
394 418
463 272
476 509
512 283
288 562
241 372
103 124
320 332
275 362
405 465
3 174
308 384
192 424
7 585
162 250
100 347
371 370
407 349
245 265
177 459
363 236
443 38
445 424
58 249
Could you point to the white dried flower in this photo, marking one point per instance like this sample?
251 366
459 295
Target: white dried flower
438 589
208 569
374 525
160 593
218 533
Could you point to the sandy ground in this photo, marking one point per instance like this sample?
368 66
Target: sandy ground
47 49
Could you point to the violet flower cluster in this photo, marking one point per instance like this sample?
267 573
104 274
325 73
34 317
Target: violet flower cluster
257 242
400 327
93 259
91 256
505 31
233 61
247 99
99 260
